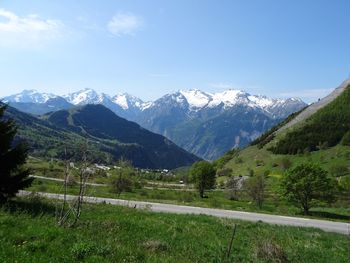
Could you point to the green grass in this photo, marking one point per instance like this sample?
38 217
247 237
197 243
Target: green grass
216 199
105 233
250 157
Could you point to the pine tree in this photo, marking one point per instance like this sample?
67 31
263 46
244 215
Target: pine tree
13 176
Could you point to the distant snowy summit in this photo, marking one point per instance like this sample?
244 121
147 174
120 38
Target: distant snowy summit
29 96
193 100
198 99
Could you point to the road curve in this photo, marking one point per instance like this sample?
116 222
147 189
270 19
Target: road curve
329 226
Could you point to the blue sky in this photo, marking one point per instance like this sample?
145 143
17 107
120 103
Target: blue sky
152 47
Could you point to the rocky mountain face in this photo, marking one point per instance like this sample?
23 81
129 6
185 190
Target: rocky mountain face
206 124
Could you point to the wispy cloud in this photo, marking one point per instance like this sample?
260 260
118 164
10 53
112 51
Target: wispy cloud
27 31
125 24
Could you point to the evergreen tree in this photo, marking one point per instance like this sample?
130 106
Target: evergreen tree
13 176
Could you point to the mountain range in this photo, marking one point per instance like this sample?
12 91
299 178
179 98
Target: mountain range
205 124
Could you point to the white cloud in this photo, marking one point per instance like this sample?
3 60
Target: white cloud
124 24
27 31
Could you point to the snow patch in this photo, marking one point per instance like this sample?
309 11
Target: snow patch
122 101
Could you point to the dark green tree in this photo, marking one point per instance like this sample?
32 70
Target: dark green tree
308 184
202 173
13 177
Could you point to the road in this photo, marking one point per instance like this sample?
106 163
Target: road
329 226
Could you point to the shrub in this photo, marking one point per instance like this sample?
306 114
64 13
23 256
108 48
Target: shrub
285 163
339 170
255 187
346 139
224 172
269 251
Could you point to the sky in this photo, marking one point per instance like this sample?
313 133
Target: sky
148 48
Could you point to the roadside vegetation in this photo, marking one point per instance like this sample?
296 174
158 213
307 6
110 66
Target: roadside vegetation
258 193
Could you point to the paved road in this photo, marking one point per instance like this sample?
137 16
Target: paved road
329 226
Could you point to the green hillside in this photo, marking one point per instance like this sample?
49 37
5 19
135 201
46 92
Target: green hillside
326 128
109 138
323 138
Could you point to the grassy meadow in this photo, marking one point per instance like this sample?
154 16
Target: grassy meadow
105 233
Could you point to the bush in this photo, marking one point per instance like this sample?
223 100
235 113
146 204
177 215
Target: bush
224 172
255 187
339 170
121 184
285 163
346 139
269 251
233 186
81 250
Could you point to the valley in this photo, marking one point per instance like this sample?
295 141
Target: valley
174 131
126 164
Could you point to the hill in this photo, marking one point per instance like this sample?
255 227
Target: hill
319 133
109 137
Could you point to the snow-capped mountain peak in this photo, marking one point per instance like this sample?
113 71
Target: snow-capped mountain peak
29 96
228 98
127 101
196 98
121 100
85 96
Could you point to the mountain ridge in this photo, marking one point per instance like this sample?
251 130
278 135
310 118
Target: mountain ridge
205 117
194 98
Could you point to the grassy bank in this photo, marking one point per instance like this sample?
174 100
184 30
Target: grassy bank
28 233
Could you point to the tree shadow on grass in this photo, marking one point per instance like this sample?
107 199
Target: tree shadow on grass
328 215
32 205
